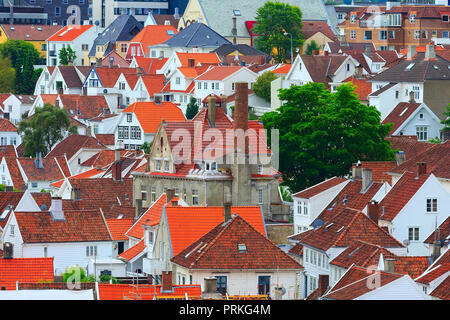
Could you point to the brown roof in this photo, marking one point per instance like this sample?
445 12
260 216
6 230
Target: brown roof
78 226
310 28
442 234
219 249
400 114
106 138
321 68
50 172
379 169
319 188
29 32
84 107
72 144
7 126
409 145
71 77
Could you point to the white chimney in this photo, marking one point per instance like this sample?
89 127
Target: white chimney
56 209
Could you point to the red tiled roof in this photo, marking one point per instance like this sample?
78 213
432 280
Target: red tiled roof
442 234
219 73
439 267
342 229
152 35
319 188
150 114
70 33
72 144
30 270
218 249
436 156
78 226
188 224
109 76
133 251
363 87
106 139
7 126
118 227
154 83
284 69
145 291
84 107
151 217
50 172
8 151
310 28
400 114
201 58
379 169
353 283
400 194
83 175
49 98
409 145
14 171
8 198
150 65
442 291
297 250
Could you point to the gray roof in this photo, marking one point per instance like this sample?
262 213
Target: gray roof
124 28
383 89
197 35
416 70
244 49
219 13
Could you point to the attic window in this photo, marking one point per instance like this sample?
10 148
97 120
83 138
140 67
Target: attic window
242 247
237 13
170 32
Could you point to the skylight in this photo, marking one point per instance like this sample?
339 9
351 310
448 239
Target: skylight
409 67
329 226
237 13
170 32
242 247
403 112
340 229
5 212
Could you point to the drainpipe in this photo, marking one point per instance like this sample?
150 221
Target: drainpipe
206 201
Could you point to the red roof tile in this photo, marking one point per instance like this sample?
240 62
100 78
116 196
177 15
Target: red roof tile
150 65
7 126
218 249
84 107
72 144
319 188
50 172
78 226
109 76
133 251
284 69
363 87
151 217
153 83
30 270
14 171
152 35
188 224
409 145
400 114
297 250
379 169
442 291
106 139
442 234
201 58
219 73
146 292
8 151
439 267
70 33
150 114
118 227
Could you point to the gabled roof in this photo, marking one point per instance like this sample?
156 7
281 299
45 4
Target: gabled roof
310 28
197 35
436 157
151 217
51 170
219 249
71 76
442 291
109 76
78 226
146 291
400 194
319 188
154 83
219 73
342 229
86 174
379 169
7 126
439 267
133 251
442 233
150 114
400 114
106 139
70 33
363 86
321 68
243 49
29 32
284 69
188 224
30 270
118 227
353 283
198 57
14 171
154 34
8 150
409 145
84 107
72 144
150 65
107 157
336 47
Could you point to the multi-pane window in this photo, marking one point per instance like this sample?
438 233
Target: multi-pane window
432 205
412 18
422 133
391 34
143 192
91 251
263 284
445 34
199 85
222 284
382 34
367 35
158 165
194 197
153 194
413 234
166 165
135 132
353 18
123 47
352 34
416 34
416 90
205 85
260 195
122 132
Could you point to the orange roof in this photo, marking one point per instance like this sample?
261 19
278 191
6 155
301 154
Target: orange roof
420 49
198 58
109 76
145 291
132 252
153 34
150 217
150 114
188 72
150 65
70 33
219 73
154 83
25 270
118 227
49 98
187 224
83 175
284 69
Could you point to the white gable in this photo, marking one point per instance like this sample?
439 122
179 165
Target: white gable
27 203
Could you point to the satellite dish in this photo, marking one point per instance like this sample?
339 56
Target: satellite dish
318 223
105 90
44 207
97 23
406 242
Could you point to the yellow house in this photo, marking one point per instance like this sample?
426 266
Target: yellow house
34 34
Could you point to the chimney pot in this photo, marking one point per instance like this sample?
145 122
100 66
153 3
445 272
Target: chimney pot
411 52
56 209
430 52
411 97
436 250
421 168
400 157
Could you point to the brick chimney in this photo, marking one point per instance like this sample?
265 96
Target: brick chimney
430 52
421 168
166 281
212 100
323 284
170 194
241 110
226 212
411 52
373 211
191 63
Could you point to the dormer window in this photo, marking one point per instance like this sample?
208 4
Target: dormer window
129 117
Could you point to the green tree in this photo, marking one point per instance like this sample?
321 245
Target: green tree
44 129
8 75
446 121
321 133
311 47
23 57
146 146
66 56
191 109
273 20
71 272
261 87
